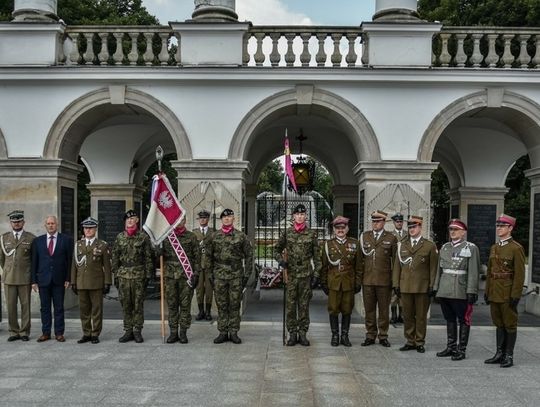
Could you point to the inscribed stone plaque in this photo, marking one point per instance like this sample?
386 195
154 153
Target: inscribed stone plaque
361 212
454 212
111 219
535 269
350 210
67 211
481 228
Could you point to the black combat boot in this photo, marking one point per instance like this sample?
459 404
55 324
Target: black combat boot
345 324
293 339
221 338
451 339
138 337
508 357
234 338
393 311
334 326
500 337
400 315
302 339
128 336
208 315
182 338
464 331
200 316
173 337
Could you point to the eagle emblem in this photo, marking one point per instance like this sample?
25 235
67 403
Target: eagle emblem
165 200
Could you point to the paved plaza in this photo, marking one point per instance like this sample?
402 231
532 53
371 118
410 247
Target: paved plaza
261 371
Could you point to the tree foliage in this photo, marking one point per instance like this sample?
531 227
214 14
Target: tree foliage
271 178
517 201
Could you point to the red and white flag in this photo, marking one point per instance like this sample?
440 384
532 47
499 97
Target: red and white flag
165 210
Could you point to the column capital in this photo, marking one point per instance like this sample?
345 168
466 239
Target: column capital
35 11
394 170
478 194
396 11
214 11
211 169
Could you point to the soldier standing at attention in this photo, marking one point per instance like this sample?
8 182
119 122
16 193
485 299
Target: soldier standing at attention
226 249
504 284
340 278
401 235
295 251
91 279
378 250
177 290
16 262
456 285
133 266
204 288
415 268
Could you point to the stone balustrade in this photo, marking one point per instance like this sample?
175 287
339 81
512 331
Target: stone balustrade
120 45
487 47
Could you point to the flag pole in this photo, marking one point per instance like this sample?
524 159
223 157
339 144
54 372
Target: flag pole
159 157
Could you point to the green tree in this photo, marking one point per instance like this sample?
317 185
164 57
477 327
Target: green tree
517 200
271 178
440 205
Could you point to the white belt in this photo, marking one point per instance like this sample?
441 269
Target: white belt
452 271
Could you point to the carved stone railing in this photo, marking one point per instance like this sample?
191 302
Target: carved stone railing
302 46
120 45
487 47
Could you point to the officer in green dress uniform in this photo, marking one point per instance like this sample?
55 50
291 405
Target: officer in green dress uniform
204 287
91 279
396 310
415 268
16 261
340 278
504 284
378 250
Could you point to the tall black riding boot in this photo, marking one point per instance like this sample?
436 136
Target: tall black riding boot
345 324
464 331
208 314
508 357
451 340
500 336
200 315
393 311
334 326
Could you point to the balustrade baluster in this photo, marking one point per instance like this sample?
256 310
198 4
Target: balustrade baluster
118 55
536 60
75 54
305 56
320 58
507 57
89 54
259 54
461 56
492 57
245 52
289 56
445 56
351 55
133 55
164 56
62 57
476 57
149 52
103 56
275 57
365 49
336 55
524 58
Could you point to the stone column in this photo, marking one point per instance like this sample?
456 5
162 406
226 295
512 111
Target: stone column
532 280
251 202
396 10
346 204
215 10
35 11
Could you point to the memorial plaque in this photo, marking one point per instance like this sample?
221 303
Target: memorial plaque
111 219
481 228
67 211
361 213
454 212
535 267
350 210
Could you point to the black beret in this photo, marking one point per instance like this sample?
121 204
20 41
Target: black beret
226 212
129 214
300 208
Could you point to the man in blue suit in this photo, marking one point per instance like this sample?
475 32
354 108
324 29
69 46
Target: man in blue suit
52 254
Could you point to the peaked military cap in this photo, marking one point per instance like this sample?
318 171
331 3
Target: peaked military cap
506 220
397 217
130 214
226 212
415 220
340 220
16 215
203 214
89 222
300 208
378 215
457 224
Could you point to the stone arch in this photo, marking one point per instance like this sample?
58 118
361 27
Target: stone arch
365 143
458 108
55 145
3 146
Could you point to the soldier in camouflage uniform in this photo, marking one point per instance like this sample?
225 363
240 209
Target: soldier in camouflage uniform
401 235
204 288
504 285
133 266
177 290
91 279
341 278
225 251
295 250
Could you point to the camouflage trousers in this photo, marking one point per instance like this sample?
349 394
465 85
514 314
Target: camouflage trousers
297 308
204 288
131 293
178 294
228 294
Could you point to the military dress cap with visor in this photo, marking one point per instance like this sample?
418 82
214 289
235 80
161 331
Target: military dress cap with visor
226 212
378 215
89 222
130 214
457 224
340 221
414 221
16 215
506 220
397 217
203 214
300 208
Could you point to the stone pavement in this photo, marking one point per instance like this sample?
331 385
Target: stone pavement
261 372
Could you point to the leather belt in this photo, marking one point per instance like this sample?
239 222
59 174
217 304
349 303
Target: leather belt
502 276
452 271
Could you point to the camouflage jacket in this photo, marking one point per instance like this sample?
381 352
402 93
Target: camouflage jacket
173 268
132 256
224 255
302 249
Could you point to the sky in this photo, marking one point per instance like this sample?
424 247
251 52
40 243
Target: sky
286 12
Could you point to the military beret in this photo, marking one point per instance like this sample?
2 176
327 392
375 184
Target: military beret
226 212
458 224
414 220
340 220
300 208
203 214
16 215
397 217
378 215
89 222
507 220
130 214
